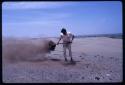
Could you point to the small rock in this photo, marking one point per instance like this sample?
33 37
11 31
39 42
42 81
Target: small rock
110 79
97 78
80 56
110 71
82 77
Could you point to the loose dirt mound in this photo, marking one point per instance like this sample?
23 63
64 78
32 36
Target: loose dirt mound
16 50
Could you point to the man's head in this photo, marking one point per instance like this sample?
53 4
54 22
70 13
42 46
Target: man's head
64 31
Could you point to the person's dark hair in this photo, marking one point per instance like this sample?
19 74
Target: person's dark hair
63 31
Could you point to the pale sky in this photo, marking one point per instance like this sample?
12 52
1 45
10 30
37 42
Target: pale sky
45 19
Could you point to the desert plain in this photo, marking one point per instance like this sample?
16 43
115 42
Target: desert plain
97 59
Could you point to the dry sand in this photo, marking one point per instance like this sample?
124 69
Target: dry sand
98 59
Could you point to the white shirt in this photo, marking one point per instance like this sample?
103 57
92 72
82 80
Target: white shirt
66 38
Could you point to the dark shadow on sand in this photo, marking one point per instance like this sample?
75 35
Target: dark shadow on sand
68 63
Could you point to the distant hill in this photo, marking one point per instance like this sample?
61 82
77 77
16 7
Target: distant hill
118 35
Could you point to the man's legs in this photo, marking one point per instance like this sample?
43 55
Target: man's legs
70 52
64 52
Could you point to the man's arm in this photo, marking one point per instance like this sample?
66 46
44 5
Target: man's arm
59 40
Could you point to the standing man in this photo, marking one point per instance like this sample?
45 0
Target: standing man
67 38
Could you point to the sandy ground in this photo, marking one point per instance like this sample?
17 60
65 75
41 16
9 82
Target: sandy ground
97 59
